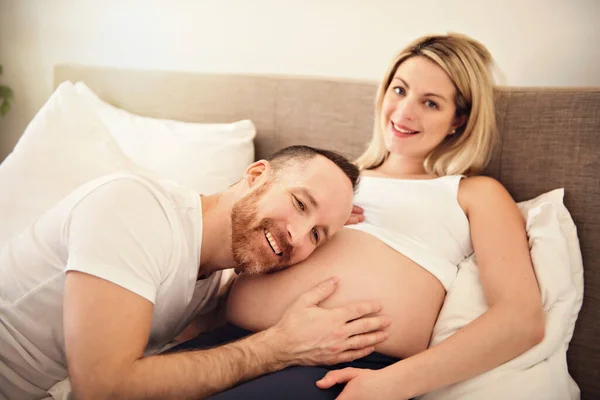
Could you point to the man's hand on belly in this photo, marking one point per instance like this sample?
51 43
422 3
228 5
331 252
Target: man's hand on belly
310 335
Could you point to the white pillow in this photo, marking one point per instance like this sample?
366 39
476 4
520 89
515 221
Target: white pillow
64 146
207 158
542 371
76 137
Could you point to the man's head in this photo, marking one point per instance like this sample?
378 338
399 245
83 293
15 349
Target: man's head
294 202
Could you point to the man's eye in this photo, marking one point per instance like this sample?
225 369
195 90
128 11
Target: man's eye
299 204
315 233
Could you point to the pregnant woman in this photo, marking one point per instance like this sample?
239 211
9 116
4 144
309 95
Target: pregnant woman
425 210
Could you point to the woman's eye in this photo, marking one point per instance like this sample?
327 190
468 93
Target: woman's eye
315 233
431 104
299 204
399 90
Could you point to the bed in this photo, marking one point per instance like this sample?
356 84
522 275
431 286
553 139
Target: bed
550 140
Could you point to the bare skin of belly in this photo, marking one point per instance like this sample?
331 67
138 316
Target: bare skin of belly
368 270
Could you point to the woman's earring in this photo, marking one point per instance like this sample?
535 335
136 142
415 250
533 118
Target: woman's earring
453 130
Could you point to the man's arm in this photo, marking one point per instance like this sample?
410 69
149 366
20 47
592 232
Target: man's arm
107 329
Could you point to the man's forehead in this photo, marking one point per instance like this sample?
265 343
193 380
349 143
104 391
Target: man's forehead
308 171
324 198
306 192
320 180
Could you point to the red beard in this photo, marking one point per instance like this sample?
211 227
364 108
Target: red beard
248 236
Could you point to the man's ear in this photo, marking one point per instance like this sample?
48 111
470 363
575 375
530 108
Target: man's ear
257 173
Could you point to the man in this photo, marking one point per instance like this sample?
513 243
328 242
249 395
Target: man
102 281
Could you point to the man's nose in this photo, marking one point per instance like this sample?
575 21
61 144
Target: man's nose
298 231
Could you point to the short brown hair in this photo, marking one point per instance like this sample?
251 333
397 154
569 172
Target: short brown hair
305 153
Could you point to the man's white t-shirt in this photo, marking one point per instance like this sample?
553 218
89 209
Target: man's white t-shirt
140 234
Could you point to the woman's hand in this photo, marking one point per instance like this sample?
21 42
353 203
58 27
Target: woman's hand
356 216
361 384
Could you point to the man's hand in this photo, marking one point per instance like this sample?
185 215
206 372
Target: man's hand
310 335
107 329
360 384
356 216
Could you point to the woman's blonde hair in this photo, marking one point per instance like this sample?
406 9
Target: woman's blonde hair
468 64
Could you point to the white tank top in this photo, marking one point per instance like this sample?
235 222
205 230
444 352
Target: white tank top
421 219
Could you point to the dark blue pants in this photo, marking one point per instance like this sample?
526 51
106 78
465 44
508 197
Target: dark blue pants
290 383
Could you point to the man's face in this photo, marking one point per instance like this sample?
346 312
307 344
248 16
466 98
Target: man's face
283 220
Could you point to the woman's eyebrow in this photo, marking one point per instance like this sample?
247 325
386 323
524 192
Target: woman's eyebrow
426 94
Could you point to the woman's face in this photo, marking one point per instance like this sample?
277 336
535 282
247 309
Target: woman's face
418 109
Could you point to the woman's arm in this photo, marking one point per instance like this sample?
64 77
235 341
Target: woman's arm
513 323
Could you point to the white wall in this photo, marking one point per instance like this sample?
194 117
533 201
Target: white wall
535 42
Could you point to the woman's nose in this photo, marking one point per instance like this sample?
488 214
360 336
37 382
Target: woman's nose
405 110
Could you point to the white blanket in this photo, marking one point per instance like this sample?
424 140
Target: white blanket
541 372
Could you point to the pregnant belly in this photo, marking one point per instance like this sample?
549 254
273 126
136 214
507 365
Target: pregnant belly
368 270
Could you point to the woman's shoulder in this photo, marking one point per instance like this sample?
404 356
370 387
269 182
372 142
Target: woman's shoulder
480 182
480 190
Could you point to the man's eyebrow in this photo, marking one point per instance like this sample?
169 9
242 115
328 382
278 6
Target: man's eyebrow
426 94
306 193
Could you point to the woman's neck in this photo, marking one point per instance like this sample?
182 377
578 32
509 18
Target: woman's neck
396 166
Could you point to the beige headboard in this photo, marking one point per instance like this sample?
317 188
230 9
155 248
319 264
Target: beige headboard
285 110
551 139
